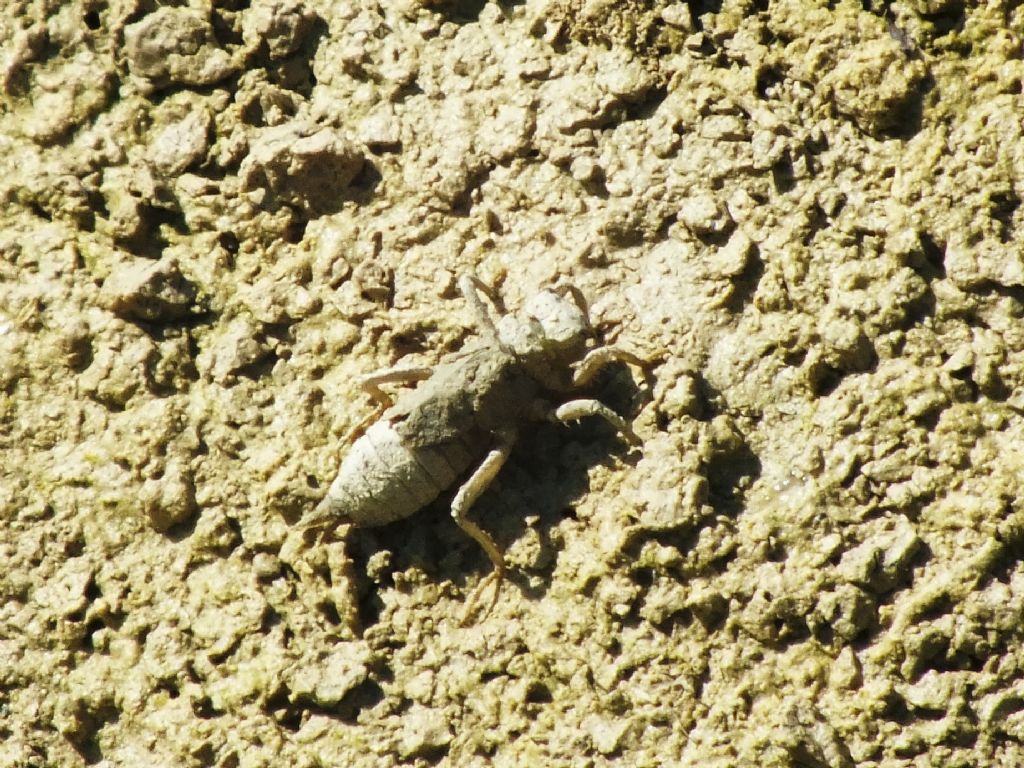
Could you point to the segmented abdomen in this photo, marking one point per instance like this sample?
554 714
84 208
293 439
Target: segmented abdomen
381 480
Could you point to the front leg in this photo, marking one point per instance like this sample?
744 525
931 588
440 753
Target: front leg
596 359
574 410
469 285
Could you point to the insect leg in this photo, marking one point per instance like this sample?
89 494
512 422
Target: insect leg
370 382
568 289
470 491
574 410
469 285
596 359
467 494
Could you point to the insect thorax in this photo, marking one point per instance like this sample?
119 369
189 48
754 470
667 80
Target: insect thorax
483 391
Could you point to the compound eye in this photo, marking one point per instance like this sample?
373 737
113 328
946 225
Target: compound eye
562 320
524 335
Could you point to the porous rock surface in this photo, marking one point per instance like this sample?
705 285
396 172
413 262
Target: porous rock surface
805 215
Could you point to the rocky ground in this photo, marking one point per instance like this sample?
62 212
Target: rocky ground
215 215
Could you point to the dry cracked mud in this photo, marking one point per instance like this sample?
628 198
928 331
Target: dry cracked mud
215 215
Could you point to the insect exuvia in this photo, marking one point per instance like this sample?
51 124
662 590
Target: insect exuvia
463 416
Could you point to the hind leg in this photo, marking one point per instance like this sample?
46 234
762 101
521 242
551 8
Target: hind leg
370 384
469 493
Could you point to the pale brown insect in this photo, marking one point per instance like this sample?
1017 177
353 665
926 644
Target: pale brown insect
466 412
